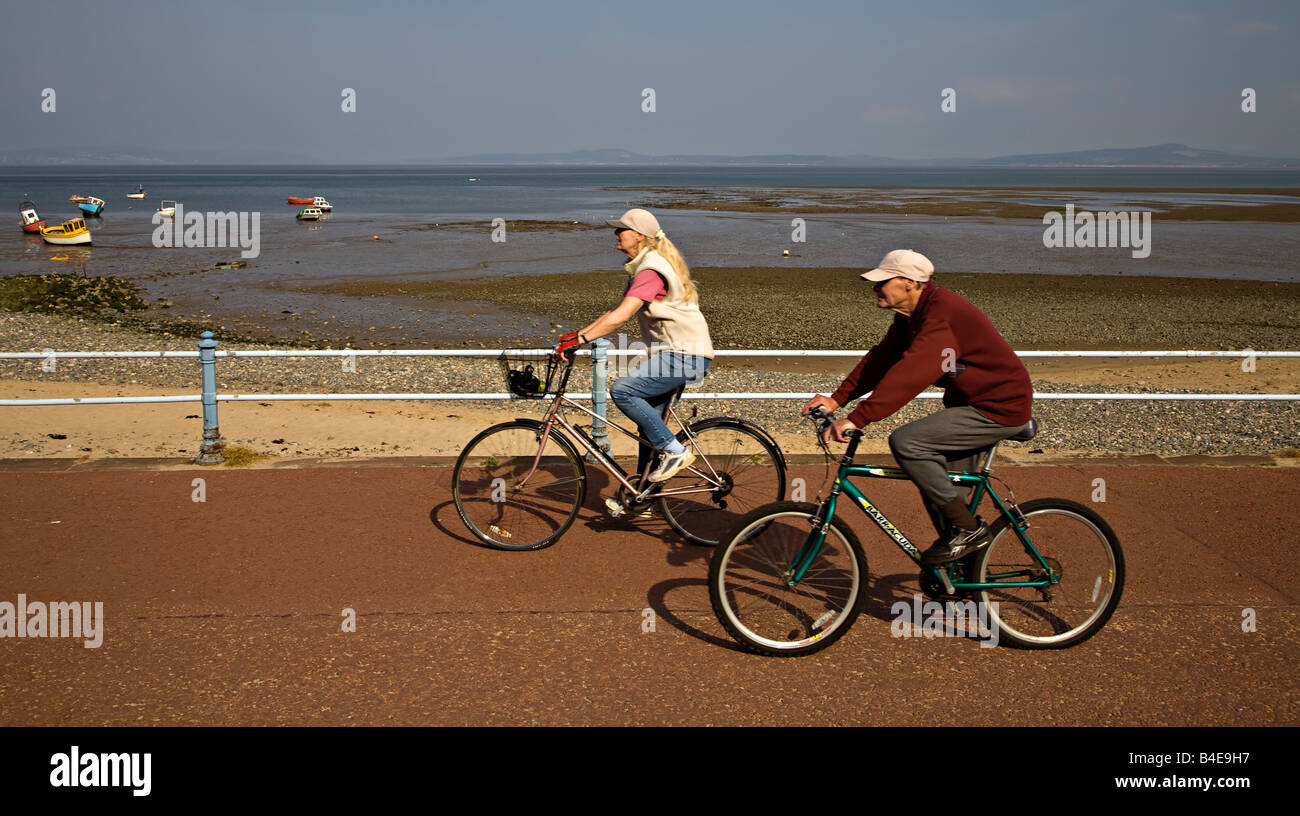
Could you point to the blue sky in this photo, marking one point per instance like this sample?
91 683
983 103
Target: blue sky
449 79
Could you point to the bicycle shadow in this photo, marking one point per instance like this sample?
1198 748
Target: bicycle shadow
884 591
599 486
437 522
592 517
656 599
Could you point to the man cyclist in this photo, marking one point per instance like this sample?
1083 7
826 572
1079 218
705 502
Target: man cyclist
939 338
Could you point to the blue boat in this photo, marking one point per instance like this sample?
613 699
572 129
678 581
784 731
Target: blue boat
89 204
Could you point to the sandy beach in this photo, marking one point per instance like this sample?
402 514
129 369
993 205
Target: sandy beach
816 308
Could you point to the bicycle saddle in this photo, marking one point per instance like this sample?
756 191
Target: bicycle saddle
1028 433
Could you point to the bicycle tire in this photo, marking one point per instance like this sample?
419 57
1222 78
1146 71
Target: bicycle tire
489 501
755 604
748 462
1074 539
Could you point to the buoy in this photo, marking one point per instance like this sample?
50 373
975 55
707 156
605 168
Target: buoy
376 237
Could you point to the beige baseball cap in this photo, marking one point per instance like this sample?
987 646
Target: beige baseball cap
638 220
902 263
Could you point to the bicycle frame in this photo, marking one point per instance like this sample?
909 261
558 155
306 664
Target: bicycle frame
554 418
979 481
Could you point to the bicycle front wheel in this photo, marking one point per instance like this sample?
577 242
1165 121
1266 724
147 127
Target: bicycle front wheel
737 469
751 590
504 500
1079 548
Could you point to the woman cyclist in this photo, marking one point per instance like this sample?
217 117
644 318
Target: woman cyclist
662 296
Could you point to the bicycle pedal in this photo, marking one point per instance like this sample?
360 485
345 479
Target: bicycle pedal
617 509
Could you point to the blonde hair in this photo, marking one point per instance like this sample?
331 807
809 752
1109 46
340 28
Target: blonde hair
671 254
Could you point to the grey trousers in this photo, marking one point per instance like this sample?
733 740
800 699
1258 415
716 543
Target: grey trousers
951 439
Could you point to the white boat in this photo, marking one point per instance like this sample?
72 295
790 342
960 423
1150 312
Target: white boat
139 192
309 214
319 201
167 209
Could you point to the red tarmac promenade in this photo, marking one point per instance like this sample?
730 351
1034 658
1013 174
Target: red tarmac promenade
230 611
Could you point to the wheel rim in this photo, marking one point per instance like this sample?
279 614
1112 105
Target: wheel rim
756 600
501 511
740 473
1089 578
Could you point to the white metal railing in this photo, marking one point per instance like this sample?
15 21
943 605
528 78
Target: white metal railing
695 394
211 446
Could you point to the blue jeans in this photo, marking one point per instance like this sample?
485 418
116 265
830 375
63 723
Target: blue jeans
643 394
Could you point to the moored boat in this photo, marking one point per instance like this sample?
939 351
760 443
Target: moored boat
301 200
69 233
92 205
78 199
167 209
139 192
31 220
309 214
319 201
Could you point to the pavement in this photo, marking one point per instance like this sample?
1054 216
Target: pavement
354 595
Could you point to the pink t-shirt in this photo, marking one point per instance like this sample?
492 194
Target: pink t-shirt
648 285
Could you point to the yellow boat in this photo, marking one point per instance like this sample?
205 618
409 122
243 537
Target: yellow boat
68 233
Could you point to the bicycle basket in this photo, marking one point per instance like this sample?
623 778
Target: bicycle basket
530 376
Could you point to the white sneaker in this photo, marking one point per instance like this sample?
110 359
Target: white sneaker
617 509
670 464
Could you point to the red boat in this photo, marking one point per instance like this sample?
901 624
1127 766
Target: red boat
301 199
31 221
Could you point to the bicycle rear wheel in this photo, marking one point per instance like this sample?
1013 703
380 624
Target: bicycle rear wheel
505 513
1080 547
750 590
737 469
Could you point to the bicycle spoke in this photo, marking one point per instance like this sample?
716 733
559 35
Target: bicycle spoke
1083 552
751 594
495 502
725 452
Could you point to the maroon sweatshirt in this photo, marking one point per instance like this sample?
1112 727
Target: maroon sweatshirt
949 343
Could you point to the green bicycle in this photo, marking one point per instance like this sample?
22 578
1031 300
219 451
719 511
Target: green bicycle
789 577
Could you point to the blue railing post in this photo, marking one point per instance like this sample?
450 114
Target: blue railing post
598 432
210 450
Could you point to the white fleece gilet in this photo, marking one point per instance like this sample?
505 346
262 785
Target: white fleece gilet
672 322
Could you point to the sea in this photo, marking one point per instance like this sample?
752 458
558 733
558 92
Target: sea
383 228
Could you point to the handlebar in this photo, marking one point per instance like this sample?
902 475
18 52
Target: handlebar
826 419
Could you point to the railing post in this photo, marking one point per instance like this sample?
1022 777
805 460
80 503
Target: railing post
210 450
598 432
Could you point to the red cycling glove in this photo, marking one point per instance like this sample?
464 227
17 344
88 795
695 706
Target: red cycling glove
568 342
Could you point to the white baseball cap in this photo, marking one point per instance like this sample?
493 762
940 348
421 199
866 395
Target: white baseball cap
638 221
902 263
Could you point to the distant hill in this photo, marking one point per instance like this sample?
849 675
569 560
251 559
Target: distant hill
1163 155
627 157
110 156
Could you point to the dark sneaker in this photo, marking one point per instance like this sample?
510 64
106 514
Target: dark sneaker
670 464
959 545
